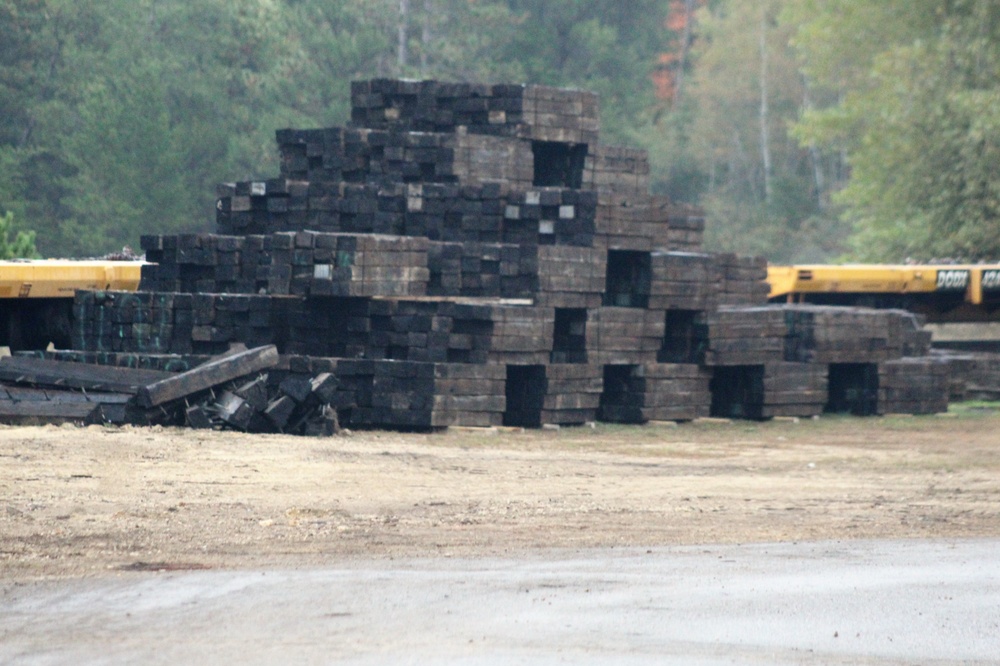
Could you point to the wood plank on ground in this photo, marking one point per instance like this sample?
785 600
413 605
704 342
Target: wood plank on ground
67 374
40 412
23 394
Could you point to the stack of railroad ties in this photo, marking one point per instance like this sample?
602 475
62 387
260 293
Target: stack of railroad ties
472 255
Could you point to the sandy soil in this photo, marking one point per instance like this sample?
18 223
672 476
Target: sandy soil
86 501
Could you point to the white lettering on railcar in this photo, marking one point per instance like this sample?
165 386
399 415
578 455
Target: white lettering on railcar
991 279
952 280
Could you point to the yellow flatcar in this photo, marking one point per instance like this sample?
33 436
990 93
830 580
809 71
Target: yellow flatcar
60 278
36 296
940 292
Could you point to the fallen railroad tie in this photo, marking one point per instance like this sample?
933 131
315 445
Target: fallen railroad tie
26 370
217 371
38 412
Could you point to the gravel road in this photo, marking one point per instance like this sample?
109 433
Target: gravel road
861 602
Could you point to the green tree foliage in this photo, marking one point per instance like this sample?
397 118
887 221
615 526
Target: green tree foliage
130 111
37 36
606 46
916 110
726 144
22 246
330 44
118 117
168 112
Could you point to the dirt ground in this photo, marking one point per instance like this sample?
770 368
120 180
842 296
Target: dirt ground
88 501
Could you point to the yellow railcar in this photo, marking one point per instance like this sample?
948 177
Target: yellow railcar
941 292
60 278
36 296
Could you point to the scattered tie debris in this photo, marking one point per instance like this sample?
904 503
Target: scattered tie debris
232 391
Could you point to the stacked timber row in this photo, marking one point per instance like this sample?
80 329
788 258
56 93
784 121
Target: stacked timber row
473 255
392 156
423 395
655 392
269 263
742 336
684 225
614 170
633 221
433 331
536 112
686 281
828 334
742 280
528 336
769 390
430 331
624 335
356 264
794 389
973 375
206 263
173 323
436 211
498 270
319 264
571 277
912 386
550 216
566 394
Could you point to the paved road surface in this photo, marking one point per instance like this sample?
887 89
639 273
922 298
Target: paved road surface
883 602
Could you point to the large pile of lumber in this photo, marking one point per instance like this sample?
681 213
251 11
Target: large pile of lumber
466 254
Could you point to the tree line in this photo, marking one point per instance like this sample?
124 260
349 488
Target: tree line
809 129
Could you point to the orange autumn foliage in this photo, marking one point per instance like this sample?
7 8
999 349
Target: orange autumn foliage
665 75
